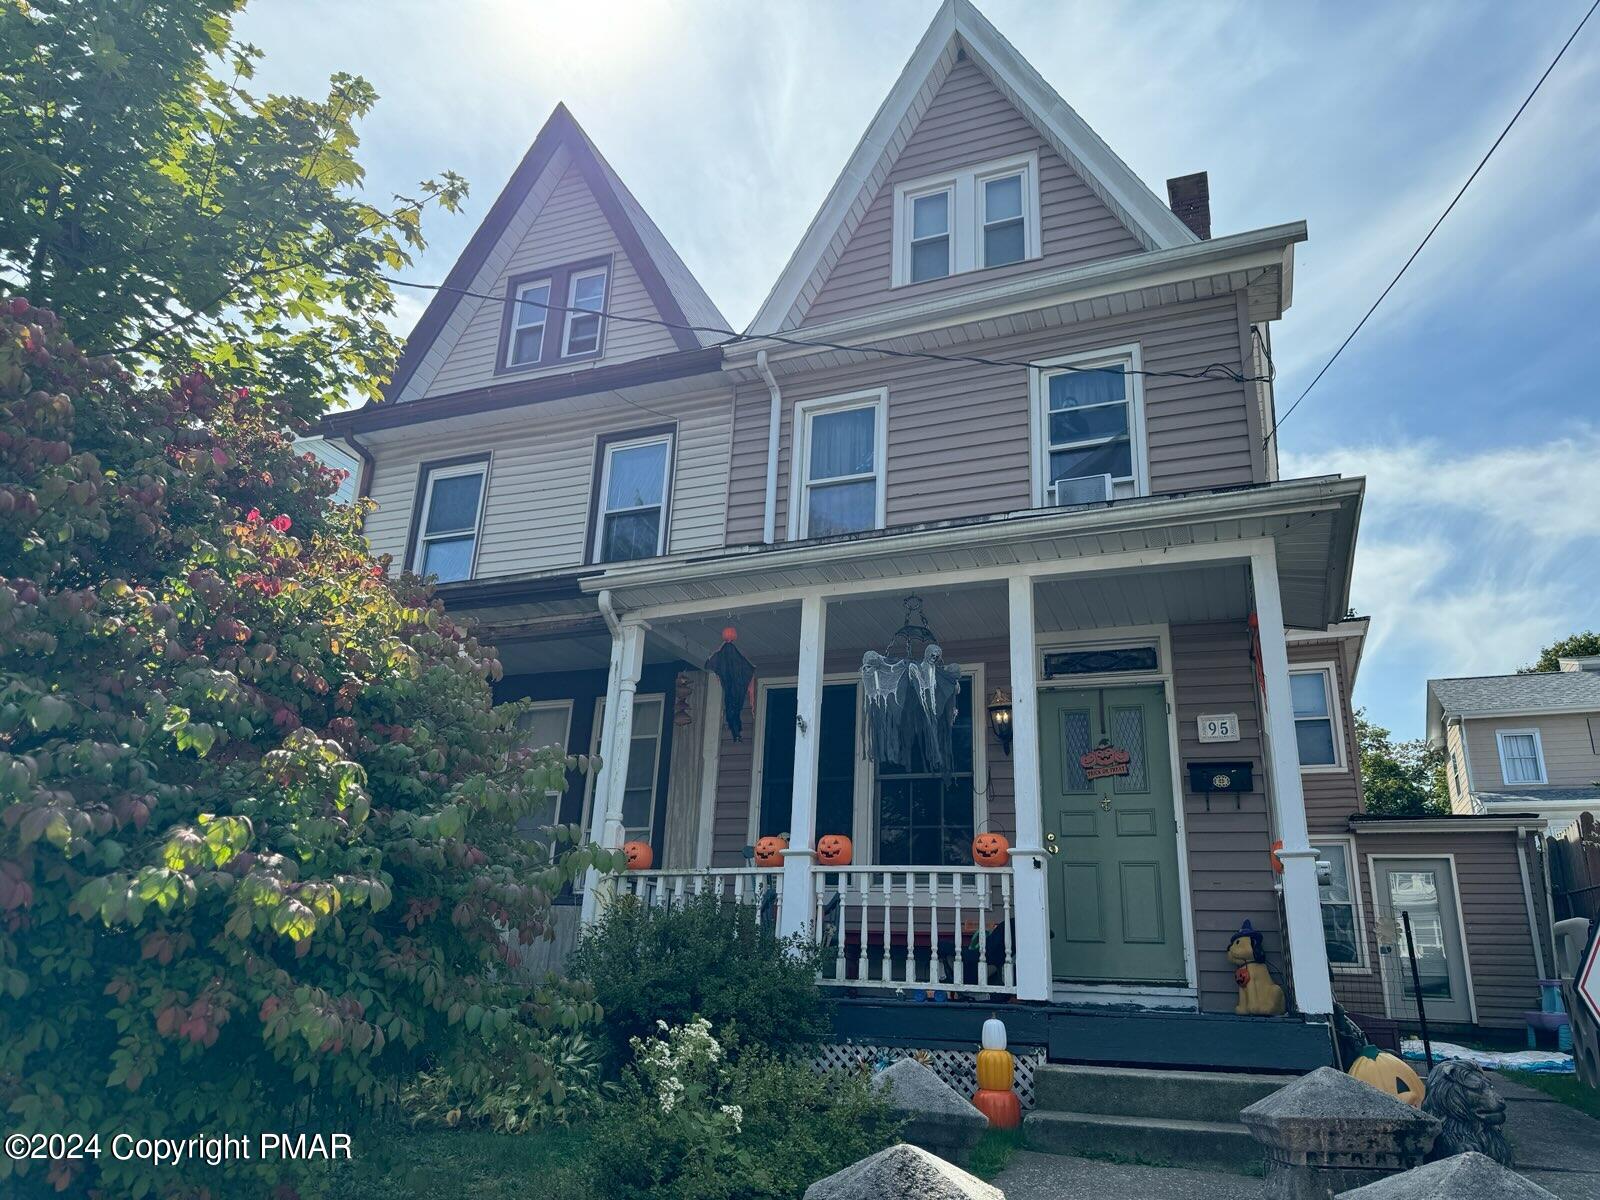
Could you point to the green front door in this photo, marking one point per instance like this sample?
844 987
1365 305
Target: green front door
1112 842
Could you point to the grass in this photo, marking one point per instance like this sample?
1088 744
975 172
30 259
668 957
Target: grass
451 1164
1568 1089
990 1156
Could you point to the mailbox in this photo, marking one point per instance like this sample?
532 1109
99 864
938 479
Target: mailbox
1230 777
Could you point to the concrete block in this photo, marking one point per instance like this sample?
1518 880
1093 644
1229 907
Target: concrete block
938 1118
1470 1176
902 1173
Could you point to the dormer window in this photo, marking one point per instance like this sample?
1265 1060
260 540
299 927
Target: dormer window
528 319
984 216
554 315
586 300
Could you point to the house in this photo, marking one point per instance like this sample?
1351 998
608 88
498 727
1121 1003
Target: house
1521 743
1002 399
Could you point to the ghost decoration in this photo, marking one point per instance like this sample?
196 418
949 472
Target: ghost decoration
737 675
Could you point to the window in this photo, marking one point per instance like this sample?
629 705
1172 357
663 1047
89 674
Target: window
1341 922
644 767
1319 742
447 527
633 499
528 319
836 761
1110 660
547 723
838 466
1089 423
984 216
586 300
922 819
1521 755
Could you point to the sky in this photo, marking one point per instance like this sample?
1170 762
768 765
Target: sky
1469 402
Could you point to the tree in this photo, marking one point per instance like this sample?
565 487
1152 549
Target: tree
169 215
258 854
1577 645
1400 778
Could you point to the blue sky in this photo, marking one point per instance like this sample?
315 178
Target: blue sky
1470 401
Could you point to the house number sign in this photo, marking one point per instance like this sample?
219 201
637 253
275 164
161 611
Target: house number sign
1218 727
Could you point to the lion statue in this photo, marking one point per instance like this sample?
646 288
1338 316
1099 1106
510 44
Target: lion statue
1460 1095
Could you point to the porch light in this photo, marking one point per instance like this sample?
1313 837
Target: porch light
1000 718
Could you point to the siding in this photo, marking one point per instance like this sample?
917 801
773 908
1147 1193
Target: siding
1331 797
570 226
1569 754
970 122
1460 801
958 435
536 513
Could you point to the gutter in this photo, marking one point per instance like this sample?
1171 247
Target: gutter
769 519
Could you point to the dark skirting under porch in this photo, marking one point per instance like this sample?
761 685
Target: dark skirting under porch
1102 1035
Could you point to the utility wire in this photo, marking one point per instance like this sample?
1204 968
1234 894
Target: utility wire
1475 170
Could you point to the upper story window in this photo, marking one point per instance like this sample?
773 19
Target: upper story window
839 471
1088 434
555 314
450 502
1316 726
982 216
530 315
586 300
1521 755
631 503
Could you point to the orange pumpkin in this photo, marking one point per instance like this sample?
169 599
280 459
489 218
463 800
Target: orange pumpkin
834 850
639 855
1384 1071
769 851
1003 1109
991 850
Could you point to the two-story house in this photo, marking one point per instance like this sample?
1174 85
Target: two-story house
1002 400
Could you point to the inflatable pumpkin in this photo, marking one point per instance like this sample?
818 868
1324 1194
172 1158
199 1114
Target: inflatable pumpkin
769 851
991 850
834 850
1387 1073
639 855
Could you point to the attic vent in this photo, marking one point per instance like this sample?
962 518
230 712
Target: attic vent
1190 198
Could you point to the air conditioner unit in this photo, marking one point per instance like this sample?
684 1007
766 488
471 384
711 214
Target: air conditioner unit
1083 489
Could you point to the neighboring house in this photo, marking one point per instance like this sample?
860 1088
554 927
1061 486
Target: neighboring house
1063 472
336 458
1522 743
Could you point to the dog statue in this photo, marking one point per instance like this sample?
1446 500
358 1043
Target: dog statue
1258 995
1460 1095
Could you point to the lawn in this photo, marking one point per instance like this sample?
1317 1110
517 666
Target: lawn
457 1164
1568 1089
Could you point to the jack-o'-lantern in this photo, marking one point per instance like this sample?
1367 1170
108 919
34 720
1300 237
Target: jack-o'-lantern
769 851
1388 1073
639 855
834 850
991 850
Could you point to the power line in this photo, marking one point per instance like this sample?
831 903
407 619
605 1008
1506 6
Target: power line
1475 170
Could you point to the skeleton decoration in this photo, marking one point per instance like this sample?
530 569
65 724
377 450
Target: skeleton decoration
911 698
736 673
1474 1115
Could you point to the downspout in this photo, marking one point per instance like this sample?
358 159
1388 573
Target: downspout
364 480
1527 899
769 519
609 612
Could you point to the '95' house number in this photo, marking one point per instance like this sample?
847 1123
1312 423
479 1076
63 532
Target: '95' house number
1218 727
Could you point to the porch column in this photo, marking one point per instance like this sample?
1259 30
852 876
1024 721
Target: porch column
616 739
797 859
1031 896
1302 906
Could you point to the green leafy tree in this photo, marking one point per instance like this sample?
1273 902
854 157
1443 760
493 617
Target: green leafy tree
258 854
170 215
1578 645
1400 778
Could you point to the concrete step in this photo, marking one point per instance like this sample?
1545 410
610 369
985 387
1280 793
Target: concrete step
1152 1141
1131 1092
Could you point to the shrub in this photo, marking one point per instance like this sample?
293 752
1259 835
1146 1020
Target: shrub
530 1078
698 1123
257 811
704 957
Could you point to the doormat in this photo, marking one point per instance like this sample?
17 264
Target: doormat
958 1068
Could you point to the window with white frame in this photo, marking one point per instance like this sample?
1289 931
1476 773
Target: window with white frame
1315 718
839 457
1341 923
447 528
1521 755
982 216
644 767
586 301
631 521
547 723
1089 428
529 316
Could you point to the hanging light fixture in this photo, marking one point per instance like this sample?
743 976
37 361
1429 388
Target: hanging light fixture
1000 718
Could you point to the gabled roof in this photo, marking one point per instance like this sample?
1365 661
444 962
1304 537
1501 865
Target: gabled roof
673 289
959 27
1511 695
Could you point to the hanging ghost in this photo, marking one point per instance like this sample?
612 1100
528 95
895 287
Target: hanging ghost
737 675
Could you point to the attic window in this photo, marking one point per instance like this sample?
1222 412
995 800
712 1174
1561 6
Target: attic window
555 313
983 216
586 300
528 320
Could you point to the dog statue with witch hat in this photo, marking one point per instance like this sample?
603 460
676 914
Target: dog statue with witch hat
1258 994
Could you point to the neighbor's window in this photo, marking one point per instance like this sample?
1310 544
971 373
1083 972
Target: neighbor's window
1340 928
1521 755
924 820
986 215
586 300
447 532
930 235
528 319
839 465
633 492
1088 431
1312 693
1005 234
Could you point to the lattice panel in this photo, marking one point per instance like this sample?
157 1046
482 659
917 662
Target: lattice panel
958 1068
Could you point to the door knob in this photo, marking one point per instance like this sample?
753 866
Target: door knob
1052 848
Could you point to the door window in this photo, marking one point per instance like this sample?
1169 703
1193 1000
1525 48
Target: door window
1415 893
836 761
924 820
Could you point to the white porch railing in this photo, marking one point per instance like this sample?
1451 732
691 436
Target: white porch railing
893 928
762 886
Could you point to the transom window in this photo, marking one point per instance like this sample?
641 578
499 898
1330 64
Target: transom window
447 529
838 465
1004 225
930 235
1089 429
1341 928
586 300
530 315
982 216
1107 660
1314 718
1521 755
632 503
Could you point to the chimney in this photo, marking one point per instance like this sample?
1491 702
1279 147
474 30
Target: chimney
1588 663
1190 198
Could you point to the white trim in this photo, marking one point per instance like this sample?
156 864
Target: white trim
965 215
1352 863
515 327
1500 736
432 475
1128 355
1031 896
1330 684
800 435
1454 823
1461 921
710 768
670 440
